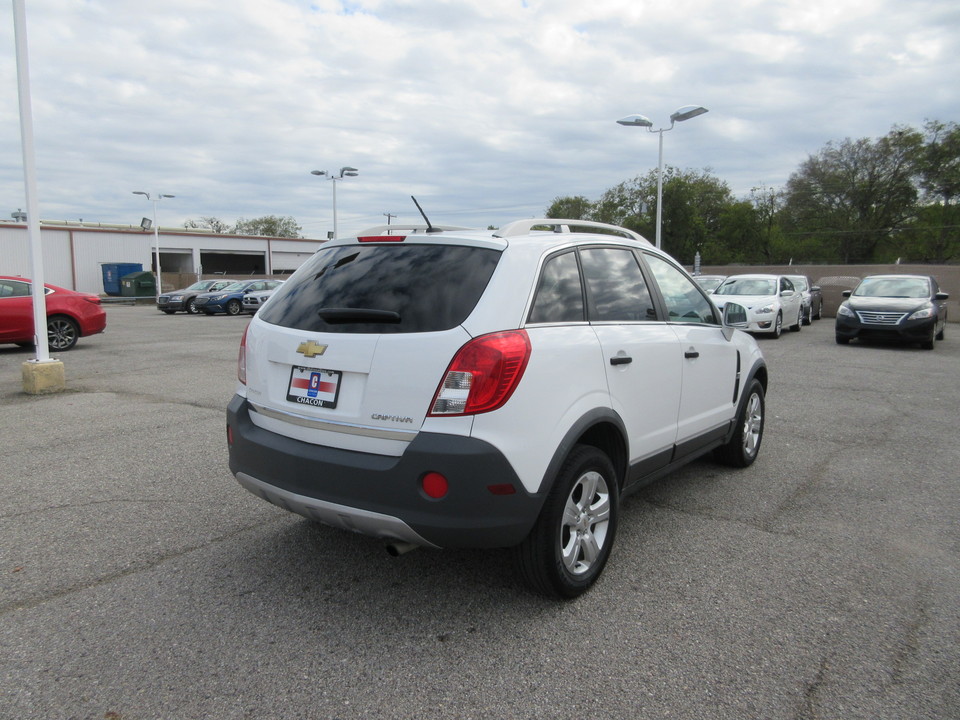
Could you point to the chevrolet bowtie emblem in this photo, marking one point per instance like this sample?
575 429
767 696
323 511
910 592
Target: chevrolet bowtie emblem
311 349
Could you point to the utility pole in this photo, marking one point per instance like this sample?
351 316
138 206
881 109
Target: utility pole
388 215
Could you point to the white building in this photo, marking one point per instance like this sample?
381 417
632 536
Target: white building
74 253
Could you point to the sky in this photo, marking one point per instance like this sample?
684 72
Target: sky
484 110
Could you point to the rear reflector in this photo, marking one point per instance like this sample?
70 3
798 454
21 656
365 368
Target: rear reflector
434 485
382 238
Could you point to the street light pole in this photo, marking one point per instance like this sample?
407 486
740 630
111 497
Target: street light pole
679 115
156 198
344 172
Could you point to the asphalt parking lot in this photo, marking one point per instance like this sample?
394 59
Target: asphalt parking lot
138 580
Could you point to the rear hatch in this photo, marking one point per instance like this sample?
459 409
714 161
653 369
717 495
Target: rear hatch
349 352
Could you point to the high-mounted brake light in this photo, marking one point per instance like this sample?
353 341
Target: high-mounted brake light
483 374
381 238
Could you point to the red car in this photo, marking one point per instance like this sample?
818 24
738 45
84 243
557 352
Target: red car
70 314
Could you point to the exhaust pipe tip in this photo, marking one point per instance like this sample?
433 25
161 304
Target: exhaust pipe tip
396 549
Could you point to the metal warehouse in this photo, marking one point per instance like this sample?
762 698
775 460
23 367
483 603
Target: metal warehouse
74 253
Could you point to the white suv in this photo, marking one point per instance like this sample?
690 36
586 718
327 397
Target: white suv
451 388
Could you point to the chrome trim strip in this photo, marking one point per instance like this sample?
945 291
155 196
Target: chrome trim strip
345 428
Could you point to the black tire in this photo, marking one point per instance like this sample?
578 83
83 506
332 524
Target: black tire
234 307
798 325
928 344
191 306
169 312
841 340
940 335
808 316
778 326
568 546
819 313
62 333
744 445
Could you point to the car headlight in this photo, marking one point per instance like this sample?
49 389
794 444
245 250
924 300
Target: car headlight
176 297
765 310
845 311
922 313
218 297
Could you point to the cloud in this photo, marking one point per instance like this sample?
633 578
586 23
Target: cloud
485 110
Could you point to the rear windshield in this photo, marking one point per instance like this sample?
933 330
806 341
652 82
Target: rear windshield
390 288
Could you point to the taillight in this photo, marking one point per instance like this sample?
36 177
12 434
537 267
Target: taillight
242 358
483 374
381 238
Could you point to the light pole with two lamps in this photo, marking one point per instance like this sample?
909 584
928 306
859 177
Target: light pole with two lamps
344 172
684 113
156 198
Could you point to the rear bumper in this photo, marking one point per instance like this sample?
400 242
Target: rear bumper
381 496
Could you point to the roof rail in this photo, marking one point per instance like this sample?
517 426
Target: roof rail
523 227
417 228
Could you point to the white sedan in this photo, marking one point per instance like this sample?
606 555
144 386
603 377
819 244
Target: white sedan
771 301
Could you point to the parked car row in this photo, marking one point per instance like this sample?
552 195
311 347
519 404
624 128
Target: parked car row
218 296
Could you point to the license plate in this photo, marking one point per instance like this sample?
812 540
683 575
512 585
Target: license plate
309 386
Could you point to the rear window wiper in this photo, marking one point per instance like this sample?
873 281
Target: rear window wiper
337 316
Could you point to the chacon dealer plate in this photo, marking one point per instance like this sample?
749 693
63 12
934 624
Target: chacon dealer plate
309 386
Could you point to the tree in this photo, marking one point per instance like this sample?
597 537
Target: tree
269 226
856 194
214 225
939 171
570 208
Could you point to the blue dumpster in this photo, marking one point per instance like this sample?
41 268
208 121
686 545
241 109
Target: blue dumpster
113 272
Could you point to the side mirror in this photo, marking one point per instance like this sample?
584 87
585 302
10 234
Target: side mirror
815 288
846 293
734 315
786 293
943 296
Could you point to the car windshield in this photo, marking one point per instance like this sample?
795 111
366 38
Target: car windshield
235 287
747 286
893 287
201 285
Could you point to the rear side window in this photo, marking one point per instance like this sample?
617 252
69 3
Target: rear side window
390 288
559 296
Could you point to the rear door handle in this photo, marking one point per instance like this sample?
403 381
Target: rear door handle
621 360
691 354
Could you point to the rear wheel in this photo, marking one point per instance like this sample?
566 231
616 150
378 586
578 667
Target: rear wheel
743 447
568 546
62 333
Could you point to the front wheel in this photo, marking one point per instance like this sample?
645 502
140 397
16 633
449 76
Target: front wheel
743 447
778 326
192 308
568 546
62 333
796 327
234 307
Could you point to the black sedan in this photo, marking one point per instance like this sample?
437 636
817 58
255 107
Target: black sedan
899 308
